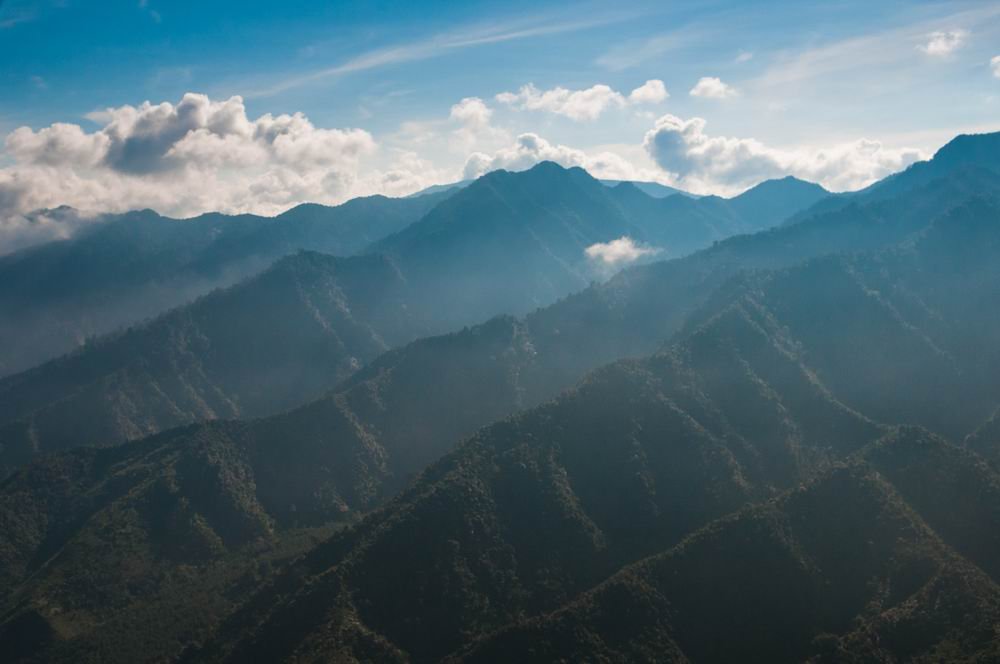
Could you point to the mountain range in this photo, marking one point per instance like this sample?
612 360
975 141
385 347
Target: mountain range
777 439
654 189
130 267
218 357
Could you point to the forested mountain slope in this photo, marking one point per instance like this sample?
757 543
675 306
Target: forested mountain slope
794 443
260 347
273 343
137 265
745 405
533 510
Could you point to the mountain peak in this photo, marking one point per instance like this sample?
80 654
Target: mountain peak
544 174
786 184
981 149
963 152
549 166
779 198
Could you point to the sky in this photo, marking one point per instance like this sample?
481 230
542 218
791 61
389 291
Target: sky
186 107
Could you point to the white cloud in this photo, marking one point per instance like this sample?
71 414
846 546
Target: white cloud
943 43
23 230
57 144
650 92
470 125
408 173
711 87
719 164
619 252
577 105
581 105
744 56
529 149
995 65
471 111
180 159
203 155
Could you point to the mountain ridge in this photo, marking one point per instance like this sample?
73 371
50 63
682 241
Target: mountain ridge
790 396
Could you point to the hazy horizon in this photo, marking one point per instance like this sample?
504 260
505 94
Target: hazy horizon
188 109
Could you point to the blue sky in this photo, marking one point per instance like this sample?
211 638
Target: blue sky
839 92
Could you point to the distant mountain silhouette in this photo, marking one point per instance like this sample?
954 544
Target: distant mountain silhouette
136 265
654 189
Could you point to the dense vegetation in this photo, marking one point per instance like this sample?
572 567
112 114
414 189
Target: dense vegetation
534 510
217 357
798 459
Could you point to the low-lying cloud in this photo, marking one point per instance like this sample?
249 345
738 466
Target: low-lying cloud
24 230
704 163
181 159
196 156
620 252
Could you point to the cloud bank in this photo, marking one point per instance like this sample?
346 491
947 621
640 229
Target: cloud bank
181 159
202 155
701 162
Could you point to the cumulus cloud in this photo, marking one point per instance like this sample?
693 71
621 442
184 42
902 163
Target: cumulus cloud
468 127
995 65
181 159
409 173
943 43
650 92
471 111
581 105
577 105
619 252
471 127
711 87
700 162
530 148
57 144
